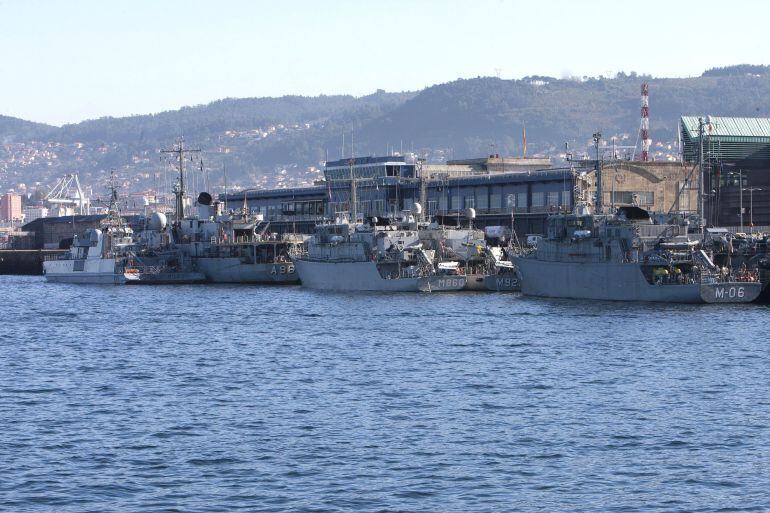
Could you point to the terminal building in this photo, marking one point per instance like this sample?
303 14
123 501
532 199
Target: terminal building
502 191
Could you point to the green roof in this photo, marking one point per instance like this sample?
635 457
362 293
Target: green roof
727 139
725 128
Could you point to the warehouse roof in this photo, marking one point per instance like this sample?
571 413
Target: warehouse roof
728 128
727 139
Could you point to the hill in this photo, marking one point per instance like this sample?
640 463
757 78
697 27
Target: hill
266 142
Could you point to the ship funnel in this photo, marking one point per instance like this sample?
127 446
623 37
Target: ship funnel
204 198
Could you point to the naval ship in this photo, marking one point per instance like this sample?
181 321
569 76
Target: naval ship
235 247
97 256
586 256
115 253
486 267
372 256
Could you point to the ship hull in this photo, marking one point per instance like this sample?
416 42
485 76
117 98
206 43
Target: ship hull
94 271
164 278
502 282
232 270
620 282
364 276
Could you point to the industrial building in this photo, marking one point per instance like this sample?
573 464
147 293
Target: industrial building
736 158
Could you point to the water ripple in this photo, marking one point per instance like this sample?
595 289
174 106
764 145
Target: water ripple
225 398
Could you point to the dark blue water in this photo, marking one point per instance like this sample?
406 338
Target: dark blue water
224 398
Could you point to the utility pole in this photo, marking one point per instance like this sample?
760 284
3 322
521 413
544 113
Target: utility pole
180 151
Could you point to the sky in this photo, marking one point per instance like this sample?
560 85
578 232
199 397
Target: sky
66 61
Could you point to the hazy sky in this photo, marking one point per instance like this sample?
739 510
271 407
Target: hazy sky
65 61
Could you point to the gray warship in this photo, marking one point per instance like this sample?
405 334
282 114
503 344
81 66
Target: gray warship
585 256
228 247
486 267
235 247
624 256
347 256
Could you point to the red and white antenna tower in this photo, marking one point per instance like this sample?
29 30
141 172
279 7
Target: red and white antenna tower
645 127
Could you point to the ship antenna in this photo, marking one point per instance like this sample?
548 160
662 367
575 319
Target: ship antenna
224 172
353 185
599 208
180 150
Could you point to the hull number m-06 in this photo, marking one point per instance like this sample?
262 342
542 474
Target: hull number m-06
729 292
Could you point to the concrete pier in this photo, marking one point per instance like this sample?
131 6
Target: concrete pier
25 261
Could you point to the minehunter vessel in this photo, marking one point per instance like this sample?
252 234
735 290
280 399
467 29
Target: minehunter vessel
235 247
585 256
156 261
487 268
346 256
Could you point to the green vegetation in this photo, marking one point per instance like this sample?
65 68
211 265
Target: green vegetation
467 118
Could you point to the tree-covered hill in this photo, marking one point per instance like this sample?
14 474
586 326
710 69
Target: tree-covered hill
258 139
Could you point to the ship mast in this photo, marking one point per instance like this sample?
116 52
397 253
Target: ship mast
701 209
599 193
180 151
353 187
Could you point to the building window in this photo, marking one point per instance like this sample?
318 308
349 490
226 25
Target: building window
538 199
521 200
455 202
553 199
442 203
645 198
482 198
470 202
495 201
566 198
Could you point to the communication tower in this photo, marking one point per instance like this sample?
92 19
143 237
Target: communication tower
644 130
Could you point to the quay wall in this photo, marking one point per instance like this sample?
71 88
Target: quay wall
25 261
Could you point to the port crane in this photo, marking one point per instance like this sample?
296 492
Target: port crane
68 192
